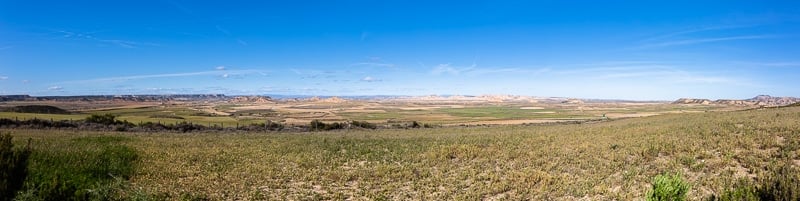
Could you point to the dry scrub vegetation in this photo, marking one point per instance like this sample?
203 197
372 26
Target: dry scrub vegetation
613 160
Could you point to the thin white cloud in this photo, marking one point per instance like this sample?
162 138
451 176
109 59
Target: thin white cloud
370 79
123 43
706 79
189 74
447 69
473 70
220 68
375 64
698 30
241 42
484 71
706 40
3 77
225 75
55 88
364 35
611 68
222 30
116 42
771 64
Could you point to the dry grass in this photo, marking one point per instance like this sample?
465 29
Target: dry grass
603 161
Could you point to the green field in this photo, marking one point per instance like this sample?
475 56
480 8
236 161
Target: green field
613 160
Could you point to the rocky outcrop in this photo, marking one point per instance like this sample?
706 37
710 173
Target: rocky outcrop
735 102
774 101
332 100
760 100
572 101
251 99
692 101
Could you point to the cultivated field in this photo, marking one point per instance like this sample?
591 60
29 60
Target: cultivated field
601 160
381 112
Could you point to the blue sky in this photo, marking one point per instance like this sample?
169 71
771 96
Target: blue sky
640 50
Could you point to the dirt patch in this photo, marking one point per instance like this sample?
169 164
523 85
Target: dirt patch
513 122
628 115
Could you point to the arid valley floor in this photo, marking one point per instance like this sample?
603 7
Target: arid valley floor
466 148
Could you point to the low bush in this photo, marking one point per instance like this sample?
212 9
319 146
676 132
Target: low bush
667 187
364 124
317 125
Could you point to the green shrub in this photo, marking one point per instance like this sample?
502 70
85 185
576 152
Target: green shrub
316 125
13 167
415 124
89 168
364 124
105 119
668 187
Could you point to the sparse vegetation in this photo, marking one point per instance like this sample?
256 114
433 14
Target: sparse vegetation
609 160
86 168
13 167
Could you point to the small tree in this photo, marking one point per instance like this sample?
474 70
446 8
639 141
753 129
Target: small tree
415 124
105 119
668 187
317 125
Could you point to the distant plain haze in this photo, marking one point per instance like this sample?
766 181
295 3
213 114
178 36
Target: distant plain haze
636 50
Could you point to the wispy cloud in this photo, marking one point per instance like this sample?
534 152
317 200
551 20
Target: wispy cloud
705 34
241 42
370 79
651 71
708 80
484 71
126 43
707 40
770 64
220 68
230 35
364 35
375 64
223 30
3 77
474 70
91 37
447 69
223 74
55 88
698 30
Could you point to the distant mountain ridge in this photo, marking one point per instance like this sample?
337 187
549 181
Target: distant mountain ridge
760 100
